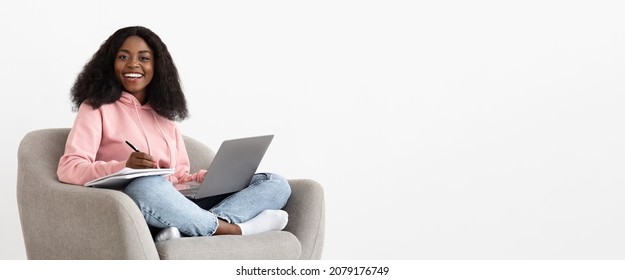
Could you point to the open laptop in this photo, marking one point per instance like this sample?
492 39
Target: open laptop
232 168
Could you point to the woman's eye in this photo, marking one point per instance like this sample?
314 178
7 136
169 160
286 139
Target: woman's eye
121 56
144 58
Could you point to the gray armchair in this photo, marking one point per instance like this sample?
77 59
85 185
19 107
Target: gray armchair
62 221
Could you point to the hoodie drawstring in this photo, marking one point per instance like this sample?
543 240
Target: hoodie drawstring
145 135
172 159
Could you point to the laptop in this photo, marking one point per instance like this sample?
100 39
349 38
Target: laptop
232 168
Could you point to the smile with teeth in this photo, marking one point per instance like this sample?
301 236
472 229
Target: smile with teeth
133 75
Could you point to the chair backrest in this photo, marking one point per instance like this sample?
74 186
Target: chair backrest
200 155
40 151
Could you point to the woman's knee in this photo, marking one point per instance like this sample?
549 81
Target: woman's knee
280 186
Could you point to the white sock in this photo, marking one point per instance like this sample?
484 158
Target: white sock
267 220
167 233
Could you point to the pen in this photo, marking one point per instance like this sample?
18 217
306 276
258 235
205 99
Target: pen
132 146
136 150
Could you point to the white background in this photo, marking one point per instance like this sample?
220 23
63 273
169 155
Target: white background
439 129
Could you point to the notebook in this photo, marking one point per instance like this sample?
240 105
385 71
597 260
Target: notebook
232 168
121 178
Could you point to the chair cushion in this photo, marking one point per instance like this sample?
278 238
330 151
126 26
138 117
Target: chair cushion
274 245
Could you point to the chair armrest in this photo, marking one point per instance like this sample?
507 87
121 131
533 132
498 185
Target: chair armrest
61 221
306 208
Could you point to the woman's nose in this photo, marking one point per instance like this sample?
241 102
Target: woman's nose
133 63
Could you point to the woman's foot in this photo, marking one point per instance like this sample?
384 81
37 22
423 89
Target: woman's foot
167 233
267 220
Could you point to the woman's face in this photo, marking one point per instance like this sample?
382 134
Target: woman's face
134 66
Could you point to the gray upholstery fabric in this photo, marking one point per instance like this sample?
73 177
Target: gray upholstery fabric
306 210
284 245
61 221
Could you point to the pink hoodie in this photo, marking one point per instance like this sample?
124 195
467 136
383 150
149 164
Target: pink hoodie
96 144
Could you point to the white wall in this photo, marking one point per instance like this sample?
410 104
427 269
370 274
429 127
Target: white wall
440 130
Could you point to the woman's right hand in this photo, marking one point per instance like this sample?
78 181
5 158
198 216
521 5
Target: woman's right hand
139 160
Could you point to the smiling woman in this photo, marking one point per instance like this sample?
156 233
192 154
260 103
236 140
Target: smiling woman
134 67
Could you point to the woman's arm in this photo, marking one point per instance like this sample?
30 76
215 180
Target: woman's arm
78 164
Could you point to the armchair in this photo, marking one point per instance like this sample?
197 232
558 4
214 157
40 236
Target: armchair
63 221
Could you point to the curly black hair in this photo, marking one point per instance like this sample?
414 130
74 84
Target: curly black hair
97 85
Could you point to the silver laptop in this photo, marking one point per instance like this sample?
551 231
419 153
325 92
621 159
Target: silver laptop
232 168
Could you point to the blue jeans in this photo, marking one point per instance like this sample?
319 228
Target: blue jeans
164 206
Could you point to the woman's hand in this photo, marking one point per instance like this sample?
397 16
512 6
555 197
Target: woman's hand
139 160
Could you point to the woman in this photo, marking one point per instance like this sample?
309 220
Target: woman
130 91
